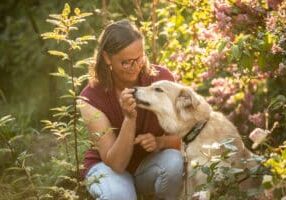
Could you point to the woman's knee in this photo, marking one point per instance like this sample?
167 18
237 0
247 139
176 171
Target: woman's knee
111 185
169 181
173 162
113 191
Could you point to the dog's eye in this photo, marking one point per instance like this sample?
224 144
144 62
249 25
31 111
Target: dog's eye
158 90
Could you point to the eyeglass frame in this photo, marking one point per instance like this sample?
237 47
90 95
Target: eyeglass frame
132 61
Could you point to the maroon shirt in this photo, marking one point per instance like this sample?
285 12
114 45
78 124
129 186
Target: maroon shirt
107 102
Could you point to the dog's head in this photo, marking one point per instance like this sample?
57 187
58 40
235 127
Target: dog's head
166 97
172 102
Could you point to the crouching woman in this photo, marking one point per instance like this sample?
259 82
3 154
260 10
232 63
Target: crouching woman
134 154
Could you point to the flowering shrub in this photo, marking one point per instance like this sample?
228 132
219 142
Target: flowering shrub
235 56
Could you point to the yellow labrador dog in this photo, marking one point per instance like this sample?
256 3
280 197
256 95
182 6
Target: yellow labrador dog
180 111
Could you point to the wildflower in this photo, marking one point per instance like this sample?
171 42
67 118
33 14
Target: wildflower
242 18
271 23
276 49
257 119
207 74
282 69
202 195
257 136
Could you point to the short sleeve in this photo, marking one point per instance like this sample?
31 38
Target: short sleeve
164 74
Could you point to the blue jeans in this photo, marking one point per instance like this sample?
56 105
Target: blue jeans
160 174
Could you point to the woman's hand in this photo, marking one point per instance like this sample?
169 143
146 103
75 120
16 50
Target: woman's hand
128 103
148 141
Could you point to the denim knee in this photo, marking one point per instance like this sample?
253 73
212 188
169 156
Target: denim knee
173 161
114 191
112 186
169 182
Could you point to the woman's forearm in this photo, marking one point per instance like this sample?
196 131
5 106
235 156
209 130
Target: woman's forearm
169 142
121 151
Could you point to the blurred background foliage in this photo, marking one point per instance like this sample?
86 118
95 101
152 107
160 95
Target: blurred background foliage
231 51
241 43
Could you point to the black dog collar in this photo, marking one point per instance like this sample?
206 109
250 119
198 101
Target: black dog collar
194 132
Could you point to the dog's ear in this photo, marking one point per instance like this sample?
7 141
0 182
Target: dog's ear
187 98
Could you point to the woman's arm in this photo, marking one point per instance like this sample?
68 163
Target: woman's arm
151 143
169 142
114 151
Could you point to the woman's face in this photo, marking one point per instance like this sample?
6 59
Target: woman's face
127 63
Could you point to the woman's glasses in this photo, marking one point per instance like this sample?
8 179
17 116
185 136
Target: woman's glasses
127 64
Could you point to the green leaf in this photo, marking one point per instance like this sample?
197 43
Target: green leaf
55 16
53 35
15 138
14 169
61 70
67 96
206 170
222 45
236 53
87 61
277 102
72 93
85 38
54 22
59 53
21 179
4 120
5 150
235 171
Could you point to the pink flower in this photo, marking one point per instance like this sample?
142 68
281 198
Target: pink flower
207 75
276 49
213 60
222 7
271 23
248 100
257 119
242 18
218 82
257 136
282 69
194 49
206 35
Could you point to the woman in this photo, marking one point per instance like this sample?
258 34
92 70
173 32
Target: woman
133 153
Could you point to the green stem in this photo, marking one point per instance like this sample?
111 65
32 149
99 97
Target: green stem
74 120
154 30
30 180
66 148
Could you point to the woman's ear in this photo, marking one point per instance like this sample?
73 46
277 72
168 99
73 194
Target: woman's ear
106 58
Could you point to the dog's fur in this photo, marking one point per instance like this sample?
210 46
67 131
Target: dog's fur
178 108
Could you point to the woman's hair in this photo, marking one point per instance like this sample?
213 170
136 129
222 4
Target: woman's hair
114 38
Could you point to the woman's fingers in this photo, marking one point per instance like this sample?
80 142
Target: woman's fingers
131 108
147 141
127 102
